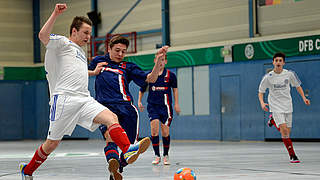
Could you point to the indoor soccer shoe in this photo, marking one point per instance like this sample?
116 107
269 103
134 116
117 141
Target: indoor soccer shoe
166 160
136 149
294 159
24 176
113 169
271 120
156 160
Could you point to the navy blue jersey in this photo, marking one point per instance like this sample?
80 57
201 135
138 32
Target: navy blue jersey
112 84
160 91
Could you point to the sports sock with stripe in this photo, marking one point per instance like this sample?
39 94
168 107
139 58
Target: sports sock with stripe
38 158
288 143
155 145
119 136
166 145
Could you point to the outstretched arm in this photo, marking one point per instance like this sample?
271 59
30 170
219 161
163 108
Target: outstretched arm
262 104
44 34
160 56
141 107
300 91
176 100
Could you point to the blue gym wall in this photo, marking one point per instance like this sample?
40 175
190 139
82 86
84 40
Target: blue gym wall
24 109
243 118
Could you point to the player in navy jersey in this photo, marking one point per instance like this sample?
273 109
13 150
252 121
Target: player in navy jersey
112 90
160 109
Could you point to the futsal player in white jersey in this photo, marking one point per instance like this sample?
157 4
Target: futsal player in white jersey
278 81
70 100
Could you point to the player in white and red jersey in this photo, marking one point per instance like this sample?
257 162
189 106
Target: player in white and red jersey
279 82
70 101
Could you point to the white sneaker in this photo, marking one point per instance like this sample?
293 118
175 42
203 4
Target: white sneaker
166 160
24 176
156 160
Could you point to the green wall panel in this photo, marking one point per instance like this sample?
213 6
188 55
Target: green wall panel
300 46
193 57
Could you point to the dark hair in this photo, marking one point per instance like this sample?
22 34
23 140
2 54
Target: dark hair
279 54
78 21
118 39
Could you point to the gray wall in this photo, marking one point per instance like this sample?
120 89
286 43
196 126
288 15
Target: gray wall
146 16
289 17
195 22
191 22
62 25
16 32
16 37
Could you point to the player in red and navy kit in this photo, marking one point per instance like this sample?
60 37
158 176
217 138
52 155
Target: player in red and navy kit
112 90
160 109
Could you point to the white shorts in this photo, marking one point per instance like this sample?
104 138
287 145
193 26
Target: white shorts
282 118
67 111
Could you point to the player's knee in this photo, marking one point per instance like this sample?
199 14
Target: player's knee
285 133
50 145
108 118
165 133
114 118
154 134
154 131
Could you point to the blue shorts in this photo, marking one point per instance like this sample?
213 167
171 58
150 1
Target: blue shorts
162 112
128 118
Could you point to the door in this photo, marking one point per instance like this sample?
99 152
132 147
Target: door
230 108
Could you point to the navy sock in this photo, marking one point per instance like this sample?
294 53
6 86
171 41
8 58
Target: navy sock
123 163
111 151
166 145
155 145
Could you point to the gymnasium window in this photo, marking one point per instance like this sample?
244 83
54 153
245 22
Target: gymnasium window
193 86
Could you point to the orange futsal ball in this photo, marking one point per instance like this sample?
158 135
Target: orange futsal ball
185 174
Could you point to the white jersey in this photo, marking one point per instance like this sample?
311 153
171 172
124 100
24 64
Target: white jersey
66 67
279 97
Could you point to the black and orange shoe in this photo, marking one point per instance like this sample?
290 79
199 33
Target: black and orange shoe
271 121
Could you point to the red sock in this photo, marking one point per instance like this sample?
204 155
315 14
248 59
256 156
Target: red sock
275 125
288 143
38 158
119 136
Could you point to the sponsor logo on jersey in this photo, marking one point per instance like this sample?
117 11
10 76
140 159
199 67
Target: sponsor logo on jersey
154 88
279 86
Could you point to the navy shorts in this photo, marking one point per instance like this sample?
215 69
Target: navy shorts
128 119
162 112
